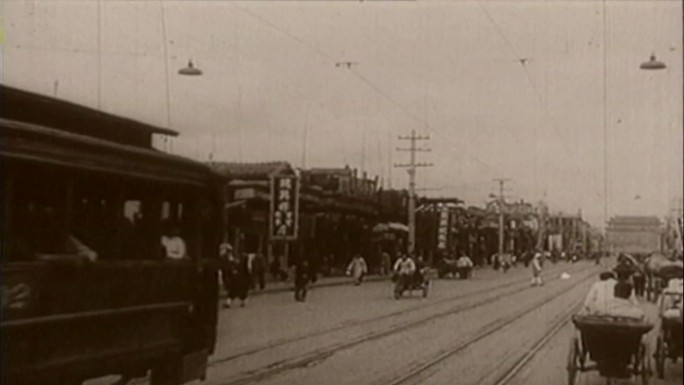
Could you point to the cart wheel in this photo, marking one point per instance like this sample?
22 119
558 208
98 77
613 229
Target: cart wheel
660 357
572 361
645 365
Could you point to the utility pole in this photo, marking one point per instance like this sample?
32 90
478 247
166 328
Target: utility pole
412 165
676 221
502 202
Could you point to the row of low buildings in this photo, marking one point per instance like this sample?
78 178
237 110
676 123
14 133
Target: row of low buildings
341 212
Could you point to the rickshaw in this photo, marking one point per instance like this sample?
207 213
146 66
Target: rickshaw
417 281
659 271
447 266
614 345
669 341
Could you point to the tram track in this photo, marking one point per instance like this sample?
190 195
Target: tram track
319 355
420 370
319 333
525 359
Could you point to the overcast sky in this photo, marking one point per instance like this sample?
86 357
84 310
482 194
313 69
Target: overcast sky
448 69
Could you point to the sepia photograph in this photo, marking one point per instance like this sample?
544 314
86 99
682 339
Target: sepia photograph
341 192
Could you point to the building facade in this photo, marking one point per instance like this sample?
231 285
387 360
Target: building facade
634 234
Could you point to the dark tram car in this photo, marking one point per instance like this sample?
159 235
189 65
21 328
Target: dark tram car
88 287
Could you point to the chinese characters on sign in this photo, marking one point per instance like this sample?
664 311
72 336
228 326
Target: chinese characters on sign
443 229
284 207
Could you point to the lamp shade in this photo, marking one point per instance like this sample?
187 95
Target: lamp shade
190 70
653 64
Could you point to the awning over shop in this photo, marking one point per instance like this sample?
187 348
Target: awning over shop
391 226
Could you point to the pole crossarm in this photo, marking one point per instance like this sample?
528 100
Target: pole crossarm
414 137
415 149
409 165
412 166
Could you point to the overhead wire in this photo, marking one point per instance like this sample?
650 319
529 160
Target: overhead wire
373 86
534 88
363 79
518 57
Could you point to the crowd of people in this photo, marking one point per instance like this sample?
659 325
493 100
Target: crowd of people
242 273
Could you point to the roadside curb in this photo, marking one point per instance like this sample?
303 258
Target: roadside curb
318 284
338 281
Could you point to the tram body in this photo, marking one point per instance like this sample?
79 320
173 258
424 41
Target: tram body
130 309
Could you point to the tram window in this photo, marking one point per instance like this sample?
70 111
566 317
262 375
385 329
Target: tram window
95 214
139 230
133 211
40 219
176 230
166 210
172 211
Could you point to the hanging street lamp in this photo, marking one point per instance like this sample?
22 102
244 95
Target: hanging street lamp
190 70
653 64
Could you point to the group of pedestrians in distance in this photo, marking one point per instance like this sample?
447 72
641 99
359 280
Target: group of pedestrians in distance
535 259
240 273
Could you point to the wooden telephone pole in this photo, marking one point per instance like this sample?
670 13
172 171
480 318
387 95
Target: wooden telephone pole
412 166
502 202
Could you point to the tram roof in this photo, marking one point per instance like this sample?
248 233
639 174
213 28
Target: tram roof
35 143
30 107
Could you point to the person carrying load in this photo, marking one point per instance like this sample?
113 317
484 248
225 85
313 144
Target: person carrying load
464 266
612 298
404 268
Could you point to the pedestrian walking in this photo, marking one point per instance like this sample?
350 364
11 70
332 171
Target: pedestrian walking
505 261
403 270
527 258
313 270
496 261
639 280
236 279
464 266
301 280
536 270
357 268
258 269
385 263
277 271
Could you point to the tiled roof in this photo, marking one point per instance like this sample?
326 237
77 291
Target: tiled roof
237 170
635 220
329 171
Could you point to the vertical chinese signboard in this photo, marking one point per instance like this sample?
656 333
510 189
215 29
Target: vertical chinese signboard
284 207
443 228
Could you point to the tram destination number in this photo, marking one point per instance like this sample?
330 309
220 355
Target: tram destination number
15 296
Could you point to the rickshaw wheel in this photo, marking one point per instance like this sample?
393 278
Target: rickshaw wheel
660 356
573 355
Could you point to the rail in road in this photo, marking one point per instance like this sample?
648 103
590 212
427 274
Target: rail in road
419 370
513 370
319 333
311 358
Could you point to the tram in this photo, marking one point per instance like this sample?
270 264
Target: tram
87 288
